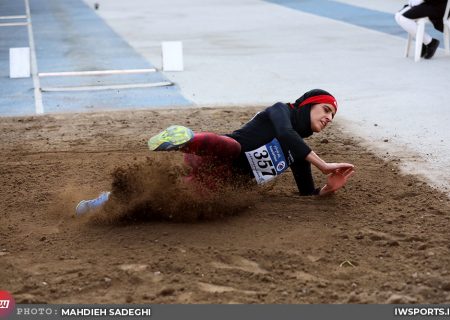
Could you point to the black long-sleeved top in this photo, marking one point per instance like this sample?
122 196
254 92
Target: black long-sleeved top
289 126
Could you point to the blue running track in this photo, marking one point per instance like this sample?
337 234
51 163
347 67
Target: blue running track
69 36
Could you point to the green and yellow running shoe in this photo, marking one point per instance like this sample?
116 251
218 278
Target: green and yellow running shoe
170 139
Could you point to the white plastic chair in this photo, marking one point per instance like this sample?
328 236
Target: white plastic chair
421 30
447 29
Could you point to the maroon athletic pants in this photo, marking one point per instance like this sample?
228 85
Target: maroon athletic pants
210 156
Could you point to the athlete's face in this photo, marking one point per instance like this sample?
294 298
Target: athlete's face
321 115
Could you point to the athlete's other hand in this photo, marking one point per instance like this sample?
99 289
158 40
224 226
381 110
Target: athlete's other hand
336 180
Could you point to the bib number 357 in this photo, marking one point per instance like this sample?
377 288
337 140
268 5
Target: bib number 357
267 161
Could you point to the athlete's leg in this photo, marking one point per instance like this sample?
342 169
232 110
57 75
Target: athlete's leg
210 157
208 154
222 148
201 144
207 172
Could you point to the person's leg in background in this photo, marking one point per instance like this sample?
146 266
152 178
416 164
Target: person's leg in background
406 19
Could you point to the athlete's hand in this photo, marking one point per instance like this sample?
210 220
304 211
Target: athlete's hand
335 167
336 180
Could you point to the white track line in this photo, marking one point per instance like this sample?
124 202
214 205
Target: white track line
12 17
94 73
14 24
107 87
34 68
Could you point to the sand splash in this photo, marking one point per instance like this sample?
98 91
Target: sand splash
157 189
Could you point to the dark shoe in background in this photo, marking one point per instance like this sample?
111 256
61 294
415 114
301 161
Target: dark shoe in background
431 48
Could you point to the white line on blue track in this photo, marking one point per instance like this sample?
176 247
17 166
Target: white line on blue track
39 107
67 37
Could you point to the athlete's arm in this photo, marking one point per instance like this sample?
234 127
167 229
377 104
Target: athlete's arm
289 139
303 178
279 115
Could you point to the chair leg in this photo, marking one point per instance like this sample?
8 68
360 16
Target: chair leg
408 45
419 39
446 39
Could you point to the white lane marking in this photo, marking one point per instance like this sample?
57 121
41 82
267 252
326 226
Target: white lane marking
94 72
14 24
12 17
34 68
107 87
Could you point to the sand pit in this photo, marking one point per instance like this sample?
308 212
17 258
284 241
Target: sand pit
383 239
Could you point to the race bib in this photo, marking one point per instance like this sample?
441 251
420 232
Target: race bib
267 161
